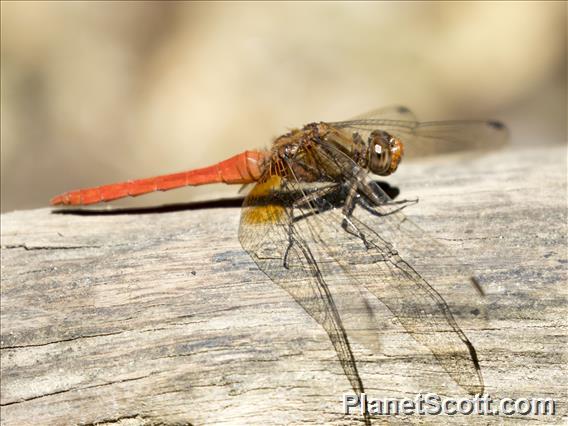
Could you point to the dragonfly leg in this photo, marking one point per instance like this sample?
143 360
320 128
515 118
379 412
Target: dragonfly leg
348 207
402 204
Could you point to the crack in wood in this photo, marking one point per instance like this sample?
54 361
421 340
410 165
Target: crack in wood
20 401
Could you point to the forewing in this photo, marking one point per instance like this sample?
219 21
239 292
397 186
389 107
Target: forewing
278 246
435 137
378 247
373 256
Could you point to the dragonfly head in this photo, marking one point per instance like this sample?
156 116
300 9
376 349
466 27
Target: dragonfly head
385 153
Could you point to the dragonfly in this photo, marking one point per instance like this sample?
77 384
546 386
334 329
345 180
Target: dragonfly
320 226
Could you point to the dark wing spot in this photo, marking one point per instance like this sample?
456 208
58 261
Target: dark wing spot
496 125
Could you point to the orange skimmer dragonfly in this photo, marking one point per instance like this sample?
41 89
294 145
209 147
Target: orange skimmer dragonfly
316 218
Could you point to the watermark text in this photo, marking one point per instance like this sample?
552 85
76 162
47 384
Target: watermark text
431 404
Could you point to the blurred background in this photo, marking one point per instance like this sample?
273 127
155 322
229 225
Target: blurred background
97 92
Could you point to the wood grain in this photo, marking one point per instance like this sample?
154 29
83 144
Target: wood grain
159 317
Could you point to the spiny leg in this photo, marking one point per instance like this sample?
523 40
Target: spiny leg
348 207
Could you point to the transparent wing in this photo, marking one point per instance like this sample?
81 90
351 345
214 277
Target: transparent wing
313 239
435 137
283 249
381 249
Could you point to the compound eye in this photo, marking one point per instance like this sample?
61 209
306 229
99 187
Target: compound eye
385 153
379 156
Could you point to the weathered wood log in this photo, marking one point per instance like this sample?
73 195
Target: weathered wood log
158 316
